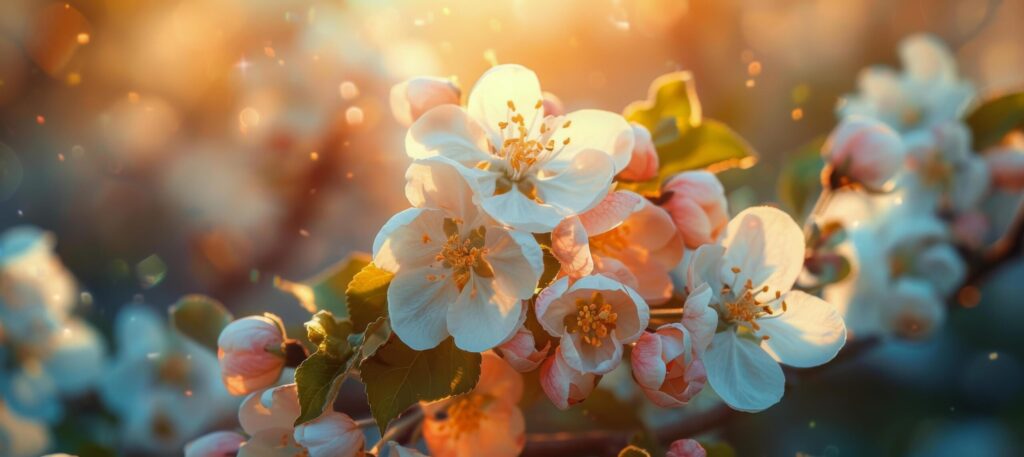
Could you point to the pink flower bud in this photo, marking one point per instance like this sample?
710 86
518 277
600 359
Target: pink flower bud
643 164
666 366
216 444
413 97
521 352
1007 168
332 435
563 385
250 354
553 105
686 448
863 151
697 206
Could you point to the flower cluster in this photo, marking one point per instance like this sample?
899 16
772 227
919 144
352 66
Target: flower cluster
904 139
47 353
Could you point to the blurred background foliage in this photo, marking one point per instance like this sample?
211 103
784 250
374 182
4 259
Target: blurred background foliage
209 146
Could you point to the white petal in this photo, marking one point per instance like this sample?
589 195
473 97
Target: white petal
925 58
444 184
481 317
588 358
516 259
551 311
579 186
418 301
400 243
447 131
488 101
571 246
809 333
515 210
698 318
601 131
767 246
746 377
704 266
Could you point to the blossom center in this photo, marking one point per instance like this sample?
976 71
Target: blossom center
748 304
594 319
465 413
521 149
464 256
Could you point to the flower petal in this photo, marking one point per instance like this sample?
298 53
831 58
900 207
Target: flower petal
610 212
704 266
563 385
418 301
648 367
400 243
579 186
570 245
517 211
809 333
482 317
767 246
516 259
551 311
447 131
698 317
598 130
444 184
499 87
745 376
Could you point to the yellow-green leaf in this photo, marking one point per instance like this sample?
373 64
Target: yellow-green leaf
326 291
397 377
800 178
367 295
200 318
991 121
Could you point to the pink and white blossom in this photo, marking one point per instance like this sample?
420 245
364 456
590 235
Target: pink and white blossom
333 434
643 162
564 385
686 448
457 271
411 98
863 151
250 353
533 169
521 351
697 205
751 270
594 316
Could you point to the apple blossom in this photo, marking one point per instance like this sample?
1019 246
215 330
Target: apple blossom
534 169
914 310
697 204
643 162
333 434
762 323
485 421
862 151
251 354
594 317
457 272
36 290
564 385
666 364
927 93
521 351
625 237
947 174
411 98
216 444
267 416
686 448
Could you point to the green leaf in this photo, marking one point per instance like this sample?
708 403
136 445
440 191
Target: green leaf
711 145
200 318
318 379
330 335
633 451
991 121
326 291
320 376
671 107
683 139
367 295
800 178
397 376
